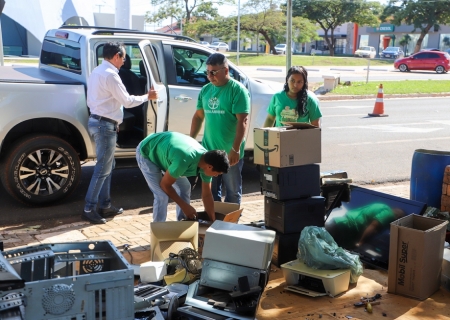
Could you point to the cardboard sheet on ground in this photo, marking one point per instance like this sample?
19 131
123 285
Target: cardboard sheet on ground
277 303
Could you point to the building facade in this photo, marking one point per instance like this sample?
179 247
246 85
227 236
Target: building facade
24 23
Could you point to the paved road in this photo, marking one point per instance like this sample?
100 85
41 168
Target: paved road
370 149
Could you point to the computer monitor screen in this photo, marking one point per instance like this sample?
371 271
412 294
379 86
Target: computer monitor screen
362 224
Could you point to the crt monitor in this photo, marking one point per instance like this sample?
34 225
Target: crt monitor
362 224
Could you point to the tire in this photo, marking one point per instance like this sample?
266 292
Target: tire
40 169
403 67
439 69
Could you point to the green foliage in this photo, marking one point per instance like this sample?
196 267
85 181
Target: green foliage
329 14
265 19
184 9
421 14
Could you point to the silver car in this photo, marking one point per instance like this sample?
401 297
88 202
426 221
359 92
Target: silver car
219 46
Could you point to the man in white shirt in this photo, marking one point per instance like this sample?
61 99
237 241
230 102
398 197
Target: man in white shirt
105 96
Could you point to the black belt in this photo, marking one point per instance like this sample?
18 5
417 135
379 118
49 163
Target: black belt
94 116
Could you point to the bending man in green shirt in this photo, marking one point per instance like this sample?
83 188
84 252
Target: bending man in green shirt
179 156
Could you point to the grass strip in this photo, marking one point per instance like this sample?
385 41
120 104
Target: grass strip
394 87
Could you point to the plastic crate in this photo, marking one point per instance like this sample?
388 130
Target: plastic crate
78 280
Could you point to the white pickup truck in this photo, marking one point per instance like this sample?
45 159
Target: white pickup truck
44 116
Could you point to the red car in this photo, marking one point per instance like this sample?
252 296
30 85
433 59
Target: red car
425 60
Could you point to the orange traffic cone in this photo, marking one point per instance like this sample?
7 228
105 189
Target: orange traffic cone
378 110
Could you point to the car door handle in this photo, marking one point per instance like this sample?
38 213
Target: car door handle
182 98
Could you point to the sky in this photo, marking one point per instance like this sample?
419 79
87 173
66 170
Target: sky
140 7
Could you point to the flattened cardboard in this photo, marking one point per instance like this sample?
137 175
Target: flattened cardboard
299 125
415 256
290 146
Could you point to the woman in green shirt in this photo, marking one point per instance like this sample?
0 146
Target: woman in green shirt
295 103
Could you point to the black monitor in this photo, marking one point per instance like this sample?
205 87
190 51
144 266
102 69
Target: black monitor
362 225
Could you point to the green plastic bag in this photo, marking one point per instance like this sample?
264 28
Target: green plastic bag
318 250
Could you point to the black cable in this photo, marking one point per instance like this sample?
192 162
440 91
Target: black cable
126 248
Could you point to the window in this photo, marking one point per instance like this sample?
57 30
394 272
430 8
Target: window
421 56
61 53
433 55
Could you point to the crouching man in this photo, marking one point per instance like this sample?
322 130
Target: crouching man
178 156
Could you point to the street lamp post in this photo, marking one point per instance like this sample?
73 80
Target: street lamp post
2 5
238 31
289 35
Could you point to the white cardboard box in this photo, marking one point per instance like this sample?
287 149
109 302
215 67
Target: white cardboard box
294 145
239 244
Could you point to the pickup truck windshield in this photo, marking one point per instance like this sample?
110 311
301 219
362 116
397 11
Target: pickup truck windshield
62 54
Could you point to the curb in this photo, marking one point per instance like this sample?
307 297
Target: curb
327 97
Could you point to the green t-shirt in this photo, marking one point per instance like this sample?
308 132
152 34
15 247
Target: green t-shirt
360 218
174 152
352 225
284 109
220 105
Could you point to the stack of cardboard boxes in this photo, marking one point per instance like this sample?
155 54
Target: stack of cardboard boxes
290 181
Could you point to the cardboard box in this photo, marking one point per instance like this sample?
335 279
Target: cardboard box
294 145
415 256
225 211
239 244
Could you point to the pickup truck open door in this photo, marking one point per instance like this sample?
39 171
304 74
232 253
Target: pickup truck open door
156 110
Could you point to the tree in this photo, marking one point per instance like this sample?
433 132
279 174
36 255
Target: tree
184 10
266 19
329 14
404 42
421 14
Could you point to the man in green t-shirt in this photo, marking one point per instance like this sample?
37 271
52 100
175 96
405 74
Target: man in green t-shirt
179 156
224 106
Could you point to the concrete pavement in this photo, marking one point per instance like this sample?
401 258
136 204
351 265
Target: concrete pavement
132 227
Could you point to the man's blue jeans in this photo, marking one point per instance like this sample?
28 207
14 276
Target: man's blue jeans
233 184
153 175
105 137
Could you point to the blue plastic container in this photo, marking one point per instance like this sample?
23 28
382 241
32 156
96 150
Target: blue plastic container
427 173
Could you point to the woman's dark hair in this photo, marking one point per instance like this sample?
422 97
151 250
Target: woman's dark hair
302 95
218 159
110 49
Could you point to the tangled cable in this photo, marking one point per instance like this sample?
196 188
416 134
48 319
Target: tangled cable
189 259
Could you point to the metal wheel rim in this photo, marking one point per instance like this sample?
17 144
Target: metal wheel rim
43 172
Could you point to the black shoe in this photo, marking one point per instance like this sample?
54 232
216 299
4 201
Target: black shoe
110 212
92 217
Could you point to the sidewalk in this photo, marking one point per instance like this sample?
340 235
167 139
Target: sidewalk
133 228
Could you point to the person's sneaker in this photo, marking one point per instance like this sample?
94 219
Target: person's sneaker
110 212
92 217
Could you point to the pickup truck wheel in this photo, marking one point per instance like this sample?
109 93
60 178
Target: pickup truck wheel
40 169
